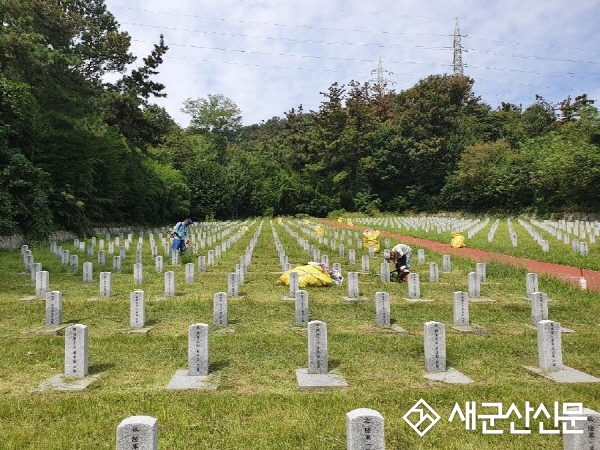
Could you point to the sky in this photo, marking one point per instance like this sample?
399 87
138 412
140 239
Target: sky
273 55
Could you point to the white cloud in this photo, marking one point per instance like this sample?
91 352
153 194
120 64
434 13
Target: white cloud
271 56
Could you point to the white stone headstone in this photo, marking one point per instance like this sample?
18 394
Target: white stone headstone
201 263
42 283
414 286
474 285
76 351
301 307
317 347
382 308
385 272
169 283
220 309
421 256
365 264
137 309
105 284
88 272
352 256
198 349
539 307
158 264
101 257
531 283
116 264
435 347
461 308
190 272
353 291
54 306
434 276
138 433
446 264
294 284
232 284
480 268
549 345
365 430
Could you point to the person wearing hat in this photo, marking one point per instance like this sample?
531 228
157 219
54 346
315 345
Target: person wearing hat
180 235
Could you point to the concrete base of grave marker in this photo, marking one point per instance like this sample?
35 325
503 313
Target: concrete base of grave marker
562 329
566 375
481 300
418 300
141 330
181 380
225 329
393 328
471 329
55 330
316 381
356 299
31 298
61 383
451 376
289 299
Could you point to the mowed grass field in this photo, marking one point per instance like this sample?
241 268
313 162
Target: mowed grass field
258 404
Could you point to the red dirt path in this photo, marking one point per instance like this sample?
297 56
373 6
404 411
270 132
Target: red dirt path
568 273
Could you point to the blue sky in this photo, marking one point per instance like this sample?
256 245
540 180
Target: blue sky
271 56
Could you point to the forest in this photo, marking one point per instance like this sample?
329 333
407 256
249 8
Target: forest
77 151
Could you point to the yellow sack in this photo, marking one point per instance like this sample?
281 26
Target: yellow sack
340 219
457 240
370 238
320 230
308 275
349 222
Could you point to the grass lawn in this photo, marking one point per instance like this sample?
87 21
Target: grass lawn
258 403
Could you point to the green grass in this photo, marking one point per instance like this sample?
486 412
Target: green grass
258 403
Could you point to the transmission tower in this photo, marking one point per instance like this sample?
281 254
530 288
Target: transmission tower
381 82
458 49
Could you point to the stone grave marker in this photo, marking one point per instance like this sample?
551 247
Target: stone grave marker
105 284
294 279
352 256
88 272
202 264
421 256
365 264
461 308
190 272
385 272
220 309
35 268
301 307
42 283
583 434
474 285
74 263
54 308
158 264
480 269
232 285
317 347
531 283
116 264
169 283
435 347
101 258
446 264
539 307
138 273
138 433
364 430
434 276
76 351
198 349
382 309
137 309
65 257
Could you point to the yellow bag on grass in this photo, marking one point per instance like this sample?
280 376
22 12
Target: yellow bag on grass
457 240
370 237
308 275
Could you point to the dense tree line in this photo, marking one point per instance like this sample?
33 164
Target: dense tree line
76 150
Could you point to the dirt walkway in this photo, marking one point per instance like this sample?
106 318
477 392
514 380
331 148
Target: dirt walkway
568 273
